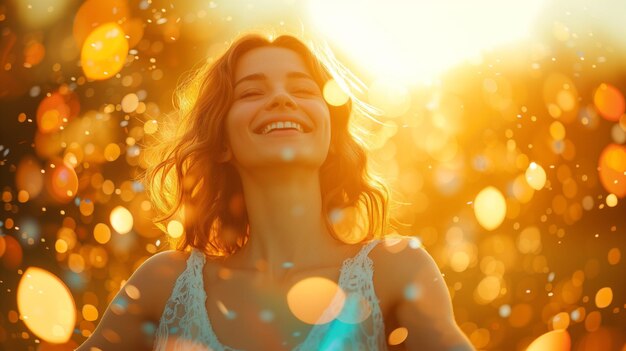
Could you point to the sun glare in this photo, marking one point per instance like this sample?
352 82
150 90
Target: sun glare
414 41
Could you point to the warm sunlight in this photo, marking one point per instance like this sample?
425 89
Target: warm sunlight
414 41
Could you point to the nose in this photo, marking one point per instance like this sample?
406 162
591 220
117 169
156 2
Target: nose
281 99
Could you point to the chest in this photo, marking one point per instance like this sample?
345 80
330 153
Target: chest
246 313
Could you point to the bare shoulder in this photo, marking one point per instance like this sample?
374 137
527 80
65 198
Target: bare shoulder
421 302
129 320
402 257
156 276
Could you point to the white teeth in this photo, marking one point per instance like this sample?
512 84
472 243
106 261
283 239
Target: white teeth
282 125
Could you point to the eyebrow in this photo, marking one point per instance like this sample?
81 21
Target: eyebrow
261 76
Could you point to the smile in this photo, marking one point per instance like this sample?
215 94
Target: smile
287 125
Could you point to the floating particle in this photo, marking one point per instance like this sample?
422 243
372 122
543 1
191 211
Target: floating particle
521 190
132 291
133 151
90 312
487 290
175 229
618 134
52 322
30 231
86 207
61 181
93 13
412 292
142 94
398 336
148 328
614 256
229 314
101 233
535 176
415 243
138 187
130 102
308 300
557 130
34 52
609 102
287 154
34 91
112 152
593 321
556 340
490 208
560 97
119 305
266 316
13 253
121 220
521 315
576 314
560 321
611 200
604 297
134 29
334 94
3 244
104 52
588 203
529 240
504 311
57 109
28 176
151 126
612 169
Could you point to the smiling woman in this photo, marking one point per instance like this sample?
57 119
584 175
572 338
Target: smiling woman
263 173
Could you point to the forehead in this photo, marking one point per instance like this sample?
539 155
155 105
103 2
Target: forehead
269 61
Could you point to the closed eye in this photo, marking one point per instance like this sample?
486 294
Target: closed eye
307 91
250 93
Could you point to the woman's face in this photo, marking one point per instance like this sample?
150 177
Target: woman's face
278 116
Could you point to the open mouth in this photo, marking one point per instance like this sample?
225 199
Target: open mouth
282 126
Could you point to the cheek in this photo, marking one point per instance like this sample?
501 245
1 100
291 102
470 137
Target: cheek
232 132
238 119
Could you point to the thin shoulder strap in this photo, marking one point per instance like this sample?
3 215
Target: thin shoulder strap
195 264
365 250
183 307
359 264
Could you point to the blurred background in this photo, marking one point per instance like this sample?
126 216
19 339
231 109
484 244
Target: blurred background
502 137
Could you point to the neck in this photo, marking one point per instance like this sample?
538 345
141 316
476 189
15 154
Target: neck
286 221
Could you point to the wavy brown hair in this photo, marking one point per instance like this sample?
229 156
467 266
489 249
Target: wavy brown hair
187 181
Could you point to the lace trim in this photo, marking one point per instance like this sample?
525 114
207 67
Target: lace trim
178 327
185 324
359 325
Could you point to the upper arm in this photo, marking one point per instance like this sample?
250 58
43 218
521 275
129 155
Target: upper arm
131 318
423 305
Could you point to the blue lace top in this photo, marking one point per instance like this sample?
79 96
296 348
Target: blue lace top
185 324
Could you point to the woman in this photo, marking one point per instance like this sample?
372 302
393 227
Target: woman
261 172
